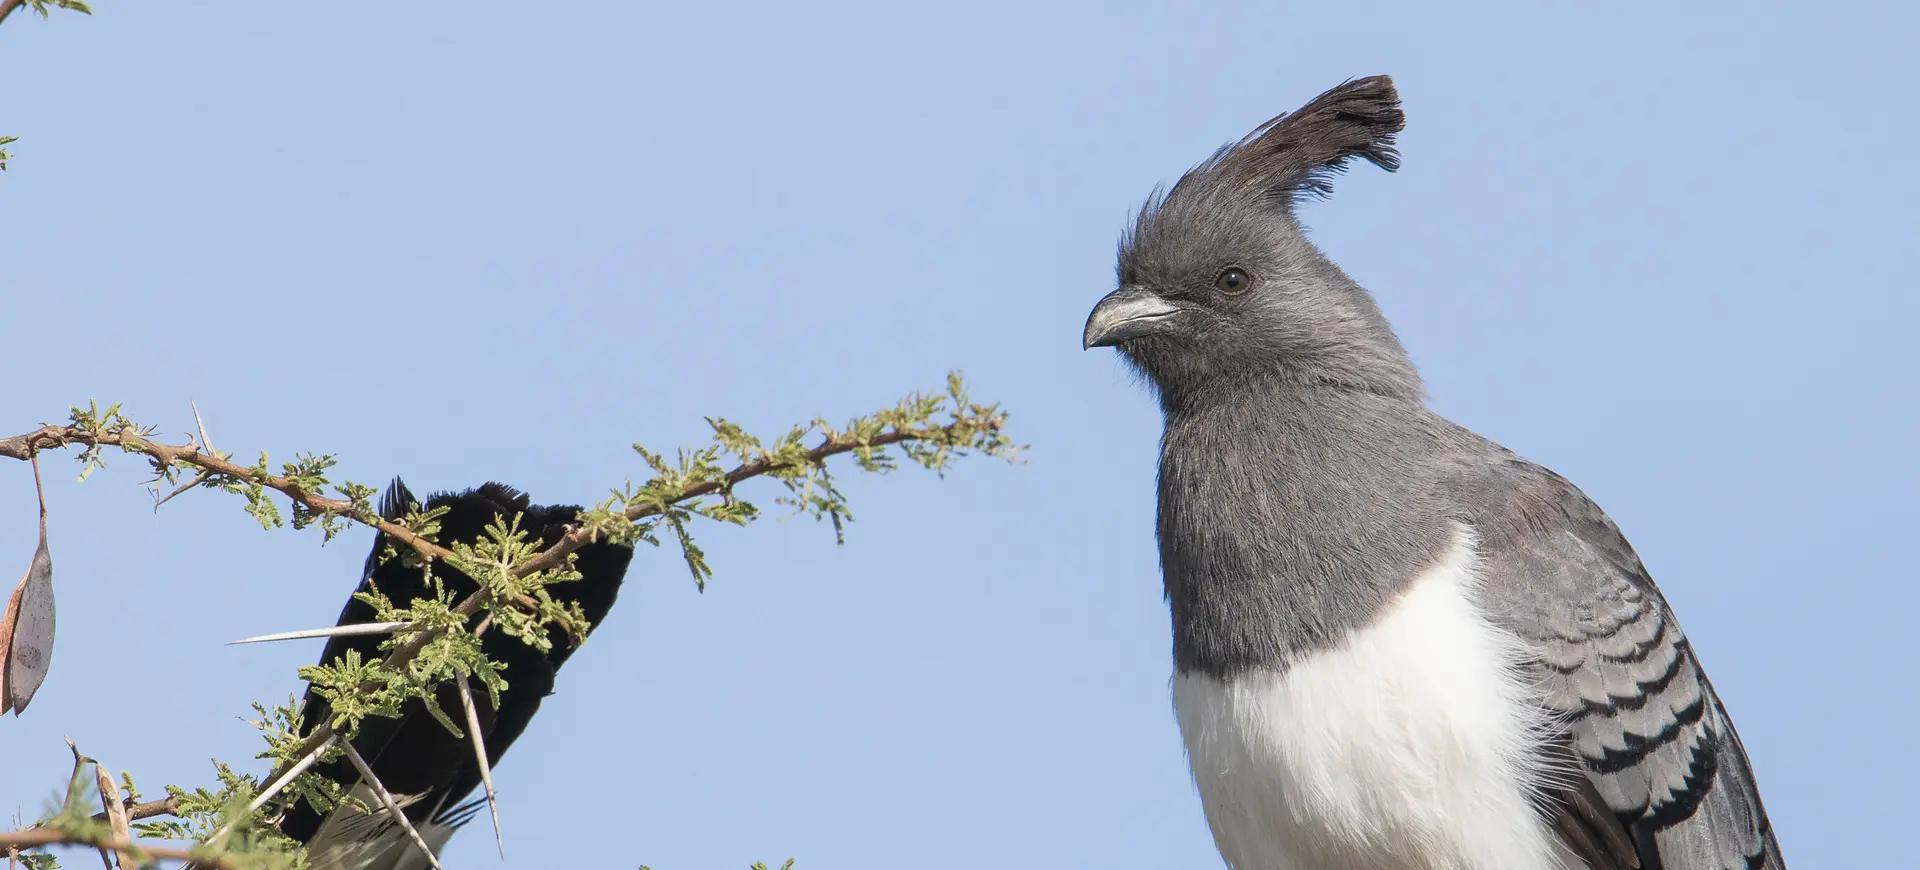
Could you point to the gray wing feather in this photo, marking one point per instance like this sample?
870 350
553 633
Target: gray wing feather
1640 716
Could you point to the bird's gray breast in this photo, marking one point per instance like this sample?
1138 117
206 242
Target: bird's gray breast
1287 524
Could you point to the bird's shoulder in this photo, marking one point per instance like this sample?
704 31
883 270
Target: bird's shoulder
1640 718
1531 520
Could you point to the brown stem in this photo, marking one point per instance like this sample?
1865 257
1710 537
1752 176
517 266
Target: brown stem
7 7
37 837
55 437
146 810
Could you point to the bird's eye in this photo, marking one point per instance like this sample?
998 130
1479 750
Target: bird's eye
1233 280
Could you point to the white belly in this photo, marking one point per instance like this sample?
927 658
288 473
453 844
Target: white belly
1412 747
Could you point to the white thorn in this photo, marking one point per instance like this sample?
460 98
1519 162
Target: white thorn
480 755
202 426
266 794
330 631
386 798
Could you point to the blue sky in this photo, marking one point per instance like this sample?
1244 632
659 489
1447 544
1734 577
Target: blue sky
1668 253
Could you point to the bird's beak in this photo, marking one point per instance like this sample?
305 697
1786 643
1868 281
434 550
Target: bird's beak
1129 312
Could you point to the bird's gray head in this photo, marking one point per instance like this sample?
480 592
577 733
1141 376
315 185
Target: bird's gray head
1219 285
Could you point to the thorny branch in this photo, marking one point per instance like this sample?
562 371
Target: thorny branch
580 536
12 841
973 426
167 806
165 455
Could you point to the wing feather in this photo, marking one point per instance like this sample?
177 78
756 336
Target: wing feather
1640 717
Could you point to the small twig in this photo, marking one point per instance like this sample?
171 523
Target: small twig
168 806
480 755
386 798
7 7
329 631
198 479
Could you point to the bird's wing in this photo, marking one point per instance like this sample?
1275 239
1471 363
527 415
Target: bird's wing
301 821
1642 721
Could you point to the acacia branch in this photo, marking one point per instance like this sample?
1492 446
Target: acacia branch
164 455
7 7
38 837
24 446
580 536
969 423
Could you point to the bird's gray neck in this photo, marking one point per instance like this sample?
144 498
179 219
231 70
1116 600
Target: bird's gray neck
1291 515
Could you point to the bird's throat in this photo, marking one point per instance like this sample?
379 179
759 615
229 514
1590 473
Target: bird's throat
1289 519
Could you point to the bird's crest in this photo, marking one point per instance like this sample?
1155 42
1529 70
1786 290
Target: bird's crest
1298 153
1293 156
